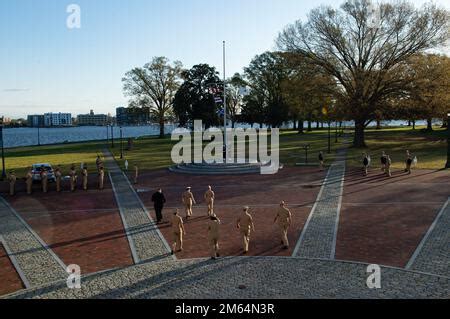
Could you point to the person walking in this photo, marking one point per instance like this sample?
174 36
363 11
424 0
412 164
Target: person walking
73 178
158 200
98 162
12 183
383 160
188 201
29 181
366 163
388 166
213 236
44 179
408 162
245 224
84 174
58 178
321 160
209 199
178 232
101 178
284 219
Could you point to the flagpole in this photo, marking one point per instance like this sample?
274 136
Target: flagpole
225 106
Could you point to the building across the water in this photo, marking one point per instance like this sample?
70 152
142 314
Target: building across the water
35 120
132 116
57 119
92 119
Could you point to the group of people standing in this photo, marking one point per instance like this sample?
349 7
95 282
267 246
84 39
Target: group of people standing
244 221
58 178
386 163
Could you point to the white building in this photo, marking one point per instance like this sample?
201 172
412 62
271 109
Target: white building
57 119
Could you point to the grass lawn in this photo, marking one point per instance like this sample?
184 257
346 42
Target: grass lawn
429 147
20 159
153 153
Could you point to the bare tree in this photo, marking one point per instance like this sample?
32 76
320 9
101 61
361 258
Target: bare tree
155 86
363 46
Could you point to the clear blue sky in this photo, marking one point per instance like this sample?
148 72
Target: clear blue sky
45 67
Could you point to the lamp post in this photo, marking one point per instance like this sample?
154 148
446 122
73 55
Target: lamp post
448 141
39 136
336 133
329 136
225 138
107 134
112 135
3 152
121 143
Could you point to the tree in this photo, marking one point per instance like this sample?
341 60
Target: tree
195 97
154 86
430 83
253 109
234 97
264 76
306 90
363 52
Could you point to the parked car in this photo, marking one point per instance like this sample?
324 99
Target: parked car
36 171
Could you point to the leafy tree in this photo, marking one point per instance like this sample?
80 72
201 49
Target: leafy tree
154 86
363 51
195 98
234 97
265 76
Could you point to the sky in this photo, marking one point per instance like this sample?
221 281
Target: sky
47 67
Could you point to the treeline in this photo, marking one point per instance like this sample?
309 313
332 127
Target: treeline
360 62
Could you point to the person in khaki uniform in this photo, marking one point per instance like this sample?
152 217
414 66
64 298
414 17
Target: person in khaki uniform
73 178
245 224
209 198
178 232
101 178
12 183
188 201
387 167
213 236
29 181
84 174
408 162
58 177
284 219
44 179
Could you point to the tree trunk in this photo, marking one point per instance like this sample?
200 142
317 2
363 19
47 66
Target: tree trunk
378 125
309 126
317 125
321 125
409 123
359 140
414 124
295 124
161 128
444 123
429 125
300 127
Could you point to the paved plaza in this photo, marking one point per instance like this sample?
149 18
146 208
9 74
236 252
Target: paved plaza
342 222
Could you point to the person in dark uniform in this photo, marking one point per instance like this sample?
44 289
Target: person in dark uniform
366 163
321 160
158 200
383 161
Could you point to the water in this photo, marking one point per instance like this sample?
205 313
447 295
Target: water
16 137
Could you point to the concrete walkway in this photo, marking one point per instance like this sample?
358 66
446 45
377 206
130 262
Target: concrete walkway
35 263
433 253
318 238
146 241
